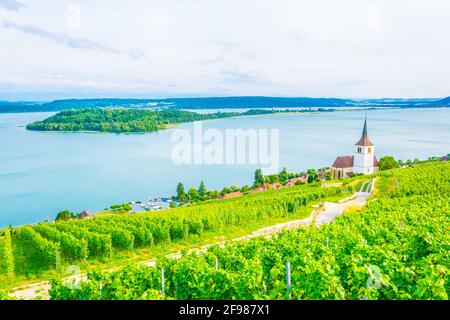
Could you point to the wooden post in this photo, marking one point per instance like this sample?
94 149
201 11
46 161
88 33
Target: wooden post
217 264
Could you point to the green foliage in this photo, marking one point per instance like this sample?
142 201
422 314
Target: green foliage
119 120
48 250
6 255
181 195
192 194
283 176
387 163
98 244
72 248
64 215
397 248
202 190
79 239
226 191
259 177
124 207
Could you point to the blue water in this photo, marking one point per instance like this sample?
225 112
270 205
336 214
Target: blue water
44 173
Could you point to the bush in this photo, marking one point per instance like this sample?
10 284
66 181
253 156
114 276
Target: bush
387 163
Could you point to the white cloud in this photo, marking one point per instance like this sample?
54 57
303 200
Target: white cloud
348 48
11 5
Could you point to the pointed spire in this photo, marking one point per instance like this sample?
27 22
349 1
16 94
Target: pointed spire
364 141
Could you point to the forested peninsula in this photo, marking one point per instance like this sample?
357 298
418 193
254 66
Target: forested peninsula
125 120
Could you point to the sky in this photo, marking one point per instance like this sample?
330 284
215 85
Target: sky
190 48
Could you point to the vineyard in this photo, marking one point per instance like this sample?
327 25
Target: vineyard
54 246
397 248
6 255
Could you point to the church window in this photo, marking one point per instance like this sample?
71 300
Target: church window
359 150
370 150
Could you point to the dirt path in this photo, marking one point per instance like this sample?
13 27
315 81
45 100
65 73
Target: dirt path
325 214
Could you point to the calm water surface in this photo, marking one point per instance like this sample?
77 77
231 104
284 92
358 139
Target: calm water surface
43 173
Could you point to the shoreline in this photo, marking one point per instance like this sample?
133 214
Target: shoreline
342 108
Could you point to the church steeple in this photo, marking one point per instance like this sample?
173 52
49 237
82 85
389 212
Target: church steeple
364 141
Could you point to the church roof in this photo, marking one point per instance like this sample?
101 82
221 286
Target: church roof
343 162
364 141
347 162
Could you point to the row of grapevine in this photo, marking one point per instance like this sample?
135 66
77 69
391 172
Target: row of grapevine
6 255
124 232
72 248
47 250
397 248
98 244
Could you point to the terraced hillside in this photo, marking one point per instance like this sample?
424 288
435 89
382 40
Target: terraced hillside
397 248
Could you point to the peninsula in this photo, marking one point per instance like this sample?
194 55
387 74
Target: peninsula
125 120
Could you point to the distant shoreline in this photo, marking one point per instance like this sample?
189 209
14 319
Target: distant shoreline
239 102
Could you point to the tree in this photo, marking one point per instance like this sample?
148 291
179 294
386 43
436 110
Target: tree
192 194
225 191
181 195
65 215
388 162
283 175
245 188
259 177
213 194
202 190
235 188
312 176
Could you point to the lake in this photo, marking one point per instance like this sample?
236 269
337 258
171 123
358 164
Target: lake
44 173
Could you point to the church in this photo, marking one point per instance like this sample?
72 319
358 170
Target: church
363 161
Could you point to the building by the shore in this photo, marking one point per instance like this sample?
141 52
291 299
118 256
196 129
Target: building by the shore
363 161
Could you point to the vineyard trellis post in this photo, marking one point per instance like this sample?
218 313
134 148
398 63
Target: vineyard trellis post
85 251
217 264
162 282
288 278
57 258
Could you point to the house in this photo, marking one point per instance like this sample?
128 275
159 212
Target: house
86 214
232 195
302 178
277 185
260 189
444 158
322 175
363 161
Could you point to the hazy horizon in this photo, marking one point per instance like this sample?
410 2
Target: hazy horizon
144 97
172 48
